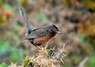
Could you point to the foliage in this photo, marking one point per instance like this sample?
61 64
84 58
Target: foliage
26 62
15 55
4 45
68 14
6 12
91 61
3 65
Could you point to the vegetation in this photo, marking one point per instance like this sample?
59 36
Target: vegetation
76 20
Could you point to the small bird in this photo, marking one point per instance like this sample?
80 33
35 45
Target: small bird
40 35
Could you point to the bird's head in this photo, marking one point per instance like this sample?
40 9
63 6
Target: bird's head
53 29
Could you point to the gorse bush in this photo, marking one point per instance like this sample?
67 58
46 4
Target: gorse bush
44 57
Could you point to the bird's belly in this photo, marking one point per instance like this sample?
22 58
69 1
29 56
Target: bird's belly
39 41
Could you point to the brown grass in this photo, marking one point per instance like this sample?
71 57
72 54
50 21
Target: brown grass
44 58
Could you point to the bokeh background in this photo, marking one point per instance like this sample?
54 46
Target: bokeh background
74 18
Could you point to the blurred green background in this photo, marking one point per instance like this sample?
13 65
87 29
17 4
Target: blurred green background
75 18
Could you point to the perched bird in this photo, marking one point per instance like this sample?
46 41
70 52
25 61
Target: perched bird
40 35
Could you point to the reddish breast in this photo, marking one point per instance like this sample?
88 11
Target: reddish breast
39 41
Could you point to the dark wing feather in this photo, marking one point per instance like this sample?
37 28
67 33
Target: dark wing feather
37 33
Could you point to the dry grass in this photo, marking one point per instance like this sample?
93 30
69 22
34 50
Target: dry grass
44 58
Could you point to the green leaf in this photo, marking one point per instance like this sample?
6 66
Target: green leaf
4 47
25 61
3 65
15 55
8 7
83 38
91 61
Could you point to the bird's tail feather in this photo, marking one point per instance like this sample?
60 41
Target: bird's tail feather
28 29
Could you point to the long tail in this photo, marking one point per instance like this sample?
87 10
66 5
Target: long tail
28 28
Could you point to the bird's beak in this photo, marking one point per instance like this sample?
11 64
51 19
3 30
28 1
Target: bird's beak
59 32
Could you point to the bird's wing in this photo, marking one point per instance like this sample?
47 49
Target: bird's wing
37 34
32 36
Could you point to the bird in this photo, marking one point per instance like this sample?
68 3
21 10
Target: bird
41 35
